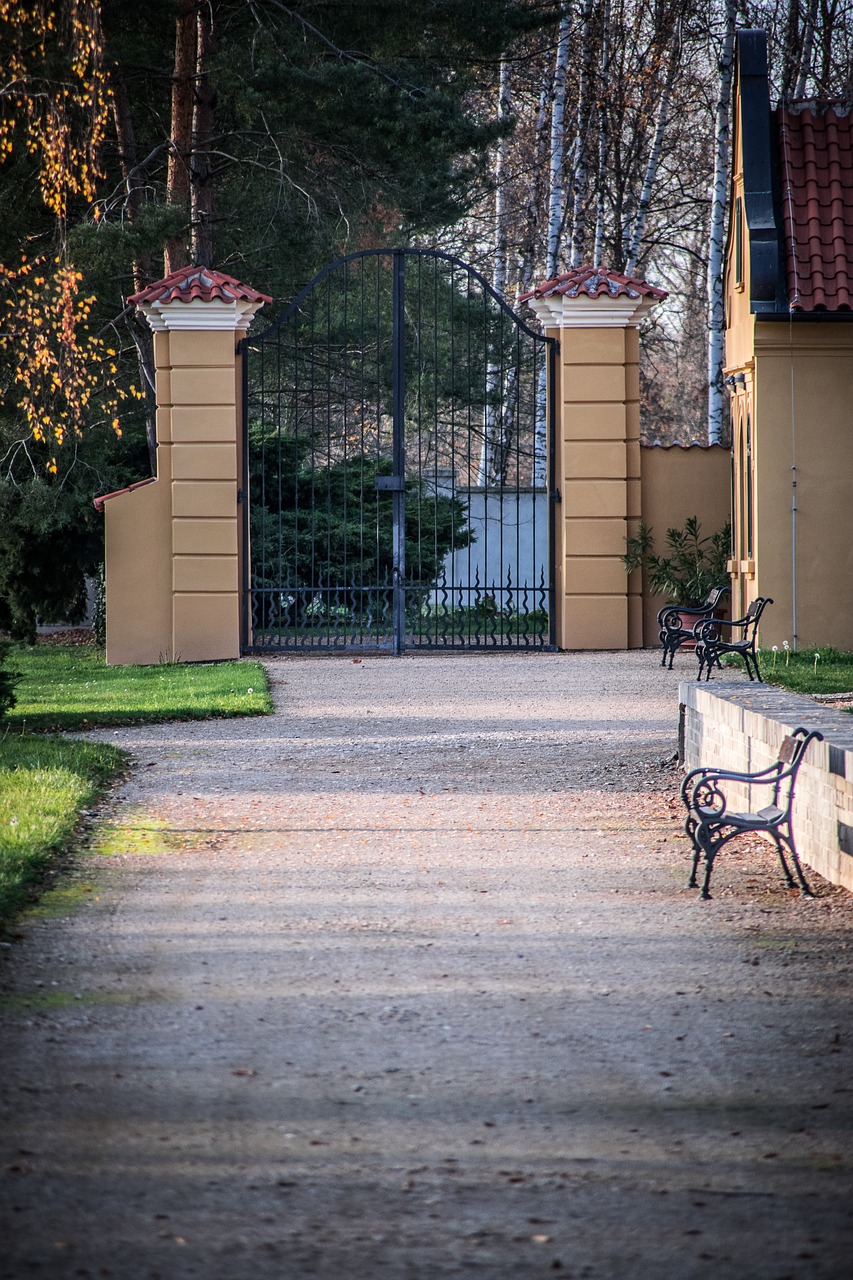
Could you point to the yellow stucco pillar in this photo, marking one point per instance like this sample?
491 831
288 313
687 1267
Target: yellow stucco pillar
191 524
594 315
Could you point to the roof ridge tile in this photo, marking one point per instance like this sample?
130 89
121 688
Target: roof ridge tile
197 284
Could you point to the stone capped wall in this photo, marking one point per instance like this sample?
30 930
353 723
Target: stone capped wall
735 726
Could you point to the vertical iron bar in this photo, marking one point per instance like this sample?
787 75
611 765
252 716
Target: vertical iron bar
399 448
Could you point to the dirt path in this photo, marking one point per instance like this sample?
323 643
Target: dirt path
404 982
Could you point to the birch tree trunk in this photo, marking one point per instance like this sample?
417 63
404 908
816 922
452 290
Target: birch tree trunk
556 213
499 274
535 200
718 213
642 213
558 149
807 50
580 159
598 253
791 49
493 448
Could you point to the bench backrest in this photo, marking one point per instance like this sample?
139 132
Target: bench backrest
791 755
753 614
715 595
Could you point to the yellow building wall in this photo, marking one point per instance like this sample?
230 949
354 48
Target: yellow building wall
794 391
803 411
677 483
740 322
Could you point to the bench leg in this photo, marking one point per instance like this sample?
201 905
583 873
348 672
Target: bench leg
789 879
752 666
792 849
709 853
690 828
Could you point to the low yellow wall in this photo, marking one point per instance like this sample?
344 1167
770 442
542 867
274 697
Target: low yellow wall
675 483
172 562
138 555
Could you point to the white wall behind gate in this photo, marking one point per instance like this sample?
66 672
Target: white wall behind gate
510 537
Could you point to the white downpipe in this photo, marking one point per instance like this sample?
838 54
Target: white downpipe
793 498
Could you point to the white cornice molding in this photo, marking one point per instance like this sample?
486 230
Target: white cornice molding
198 316
561 312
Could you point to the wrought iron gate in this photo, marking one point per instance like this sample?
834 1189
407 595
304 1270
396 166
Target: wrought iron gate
398 464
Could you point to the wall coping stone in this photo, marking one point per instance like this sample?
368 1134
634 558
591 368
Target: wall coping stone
790 710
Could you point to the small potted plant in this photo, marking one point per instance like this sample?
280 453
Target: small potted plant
690 567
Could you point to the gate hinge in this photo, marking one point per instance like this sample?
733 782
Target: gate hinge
239 497
556 496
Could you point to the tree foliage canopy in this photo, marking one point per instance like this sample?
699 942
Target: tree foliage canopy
135 138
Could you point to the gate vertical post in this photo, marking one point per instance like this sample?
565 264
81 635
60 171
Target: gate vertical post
177 552
595 315
399 448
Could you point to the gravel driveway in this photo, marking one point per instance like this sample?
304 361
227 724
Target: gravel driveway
405 982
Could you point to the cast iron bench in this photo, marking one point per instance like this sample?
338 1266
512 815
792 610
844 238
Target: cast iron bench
673 632
710 644
710 823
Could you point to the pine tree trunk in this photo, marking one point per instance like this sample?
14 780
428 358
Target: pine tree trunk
143 338
201 175
180 144
716 318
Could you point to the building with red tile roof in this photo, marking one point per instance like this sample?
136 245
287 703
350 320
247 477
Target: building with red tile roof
788 289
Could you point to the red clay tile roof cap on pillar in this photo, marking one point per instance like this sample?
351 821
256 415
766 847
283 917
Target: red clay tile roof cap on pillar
816 143
595 282
198 284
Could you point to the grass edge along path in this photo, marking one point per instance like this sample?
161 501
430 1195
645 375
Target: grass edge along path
46 785
73 688
808 671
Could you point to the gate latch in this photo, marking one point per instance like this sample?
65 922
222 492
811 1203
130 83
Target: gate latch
390 484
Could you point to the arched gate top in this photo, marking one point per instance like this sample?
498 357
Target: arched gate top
435 254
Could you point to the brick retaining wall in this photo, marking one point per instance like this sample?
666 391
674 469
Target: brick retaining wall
741 727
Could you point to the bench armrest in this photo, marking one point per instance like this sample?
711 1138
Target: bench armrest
696 777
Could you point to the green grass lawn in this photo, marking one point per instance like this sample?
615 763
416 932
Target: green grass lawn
73 688
45 782
799 672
